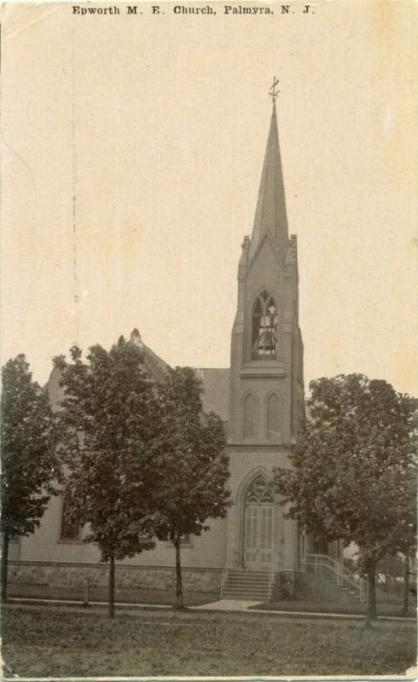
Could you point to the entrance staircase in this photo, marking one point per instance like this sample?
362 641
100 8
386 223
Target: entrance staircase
240 583
249 585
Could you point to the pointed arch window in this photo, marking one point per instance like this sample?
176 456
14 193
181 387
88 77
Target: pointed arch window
258 491
250 416
264 325
273 417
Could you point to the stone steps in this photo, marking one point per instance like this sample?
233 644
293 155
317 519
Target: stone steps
246 585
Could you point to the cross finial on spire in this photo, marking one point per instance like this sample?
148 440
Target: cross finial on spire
273 92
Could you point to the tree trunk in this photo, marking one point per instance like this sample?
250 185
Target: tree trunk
371 592
4 565
405 605
112 587
179 583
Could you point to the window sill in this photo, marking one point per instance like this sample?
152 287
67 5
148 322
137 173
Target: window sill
263 369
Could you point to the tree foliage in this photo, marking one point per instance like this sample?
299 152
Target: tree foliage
109 419
29 465
352 470
192 464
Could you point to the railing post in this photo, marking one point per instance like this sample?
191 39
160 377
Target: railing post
363 589
270 585
86 592
224 579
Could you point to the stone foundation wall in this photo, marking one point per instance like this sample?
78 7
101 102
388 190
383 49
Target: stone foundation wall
284 586
129 577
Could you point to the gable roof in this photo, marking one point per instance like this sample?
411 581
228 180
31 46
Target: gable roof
152 364
216 390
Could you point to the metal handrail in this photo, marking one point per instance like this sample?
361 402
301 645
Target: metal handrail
271 583
323 563
224 579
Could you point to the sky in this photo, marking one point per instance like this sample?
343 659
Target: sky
132 149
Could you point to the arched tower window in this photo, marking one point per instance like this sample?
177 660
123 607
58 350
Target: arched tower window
265 321
273 417
250 416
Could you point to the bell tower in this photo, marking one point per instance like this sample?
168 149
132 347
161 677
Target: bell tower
266 398
266 376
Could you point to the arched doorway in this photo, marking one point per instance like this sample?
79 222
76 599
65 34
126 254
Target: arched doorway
258 525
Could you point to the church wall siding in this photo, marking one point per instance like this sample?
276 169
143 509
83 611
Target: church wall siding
206 551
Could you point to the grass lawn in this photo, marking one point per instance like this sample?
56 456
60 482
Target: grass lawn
383 609
54 642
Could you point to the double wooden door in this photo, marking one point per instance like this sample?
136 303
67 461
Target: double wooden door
258 525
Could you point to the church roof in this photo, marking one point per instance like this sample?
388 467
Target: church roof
216 390
270 216
215 383
152 364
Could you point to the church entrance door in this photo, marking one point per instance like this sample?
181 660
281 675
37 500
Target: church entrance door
258 526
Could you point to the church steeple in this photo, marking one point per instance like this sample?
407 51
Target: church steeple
266 345
270 215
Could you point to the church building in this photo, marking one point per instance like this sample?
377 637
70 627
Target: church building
261 400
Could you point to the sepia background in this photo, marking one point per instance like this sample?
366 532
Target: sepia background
132 153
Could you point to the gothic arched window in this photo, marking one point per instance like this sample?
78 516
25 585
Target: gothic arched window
265 321
273 417
258 491
250 416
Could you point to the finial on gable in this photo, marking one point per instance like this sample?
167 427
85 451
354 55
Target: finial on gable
244 255
273 92
136 339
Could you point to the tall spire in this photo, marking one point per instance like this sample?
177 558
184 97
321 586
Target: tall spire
270 215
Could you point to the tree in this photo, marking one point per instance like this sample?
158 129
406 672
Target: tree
347 479
29 465
406 531
109 417
193 466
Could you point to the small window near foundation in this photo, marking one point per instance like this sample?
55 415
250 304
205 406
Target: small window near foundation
186 541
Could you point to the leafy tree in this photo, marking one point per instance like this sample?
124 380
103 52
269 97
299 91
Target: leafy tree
406 531
29 465
193 467
109 418
392 567
348 473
